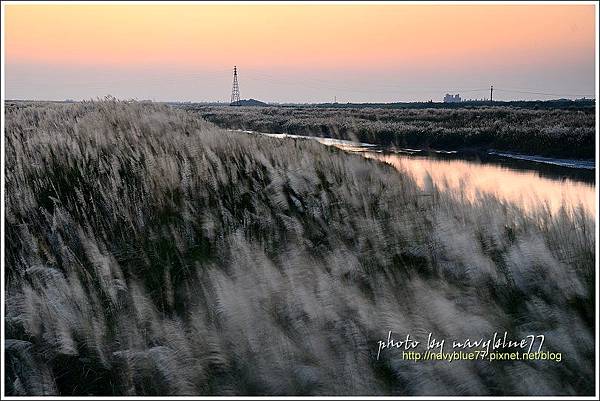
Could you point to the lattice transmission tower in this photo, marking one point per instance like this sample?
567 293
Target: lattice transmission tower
235 91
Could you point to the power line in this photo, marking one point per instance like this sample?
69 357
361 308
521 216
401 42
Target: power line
543 93
327 85
258 76
356 90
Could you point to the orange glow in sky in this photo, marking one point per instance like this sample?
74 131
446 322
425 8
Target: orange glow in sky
295 35
49 49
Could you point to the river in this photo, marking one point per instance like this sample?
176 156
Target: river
528 181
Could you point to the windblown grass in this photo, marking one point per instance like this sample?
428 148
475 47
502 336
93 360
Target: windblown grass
150 253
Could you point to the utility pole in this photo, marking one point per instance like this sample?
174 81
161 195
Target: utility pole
491 93
235 91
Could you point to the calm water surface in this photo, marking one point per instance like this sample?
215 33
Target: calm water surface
526 188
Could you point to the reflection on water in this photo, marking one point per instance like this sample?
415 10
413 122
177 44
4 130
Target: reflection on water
526 188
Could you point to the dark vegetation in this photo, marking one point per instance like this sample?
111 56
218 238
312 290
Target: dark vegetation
562 133
150 253
565 104
248 102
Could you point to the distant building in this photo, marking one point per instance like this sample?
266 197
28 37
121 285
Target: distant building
452 98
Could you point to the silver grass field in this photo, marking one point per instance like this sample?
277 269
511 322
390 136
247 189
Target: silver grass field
149 252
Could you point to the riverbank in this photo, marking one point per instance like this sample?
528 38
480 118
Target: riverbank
558 133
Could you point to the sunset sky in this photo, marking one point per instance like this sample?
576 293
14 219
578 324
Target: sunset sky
299 52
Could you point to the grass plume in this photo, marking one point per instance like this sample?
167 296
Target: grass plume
149 252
